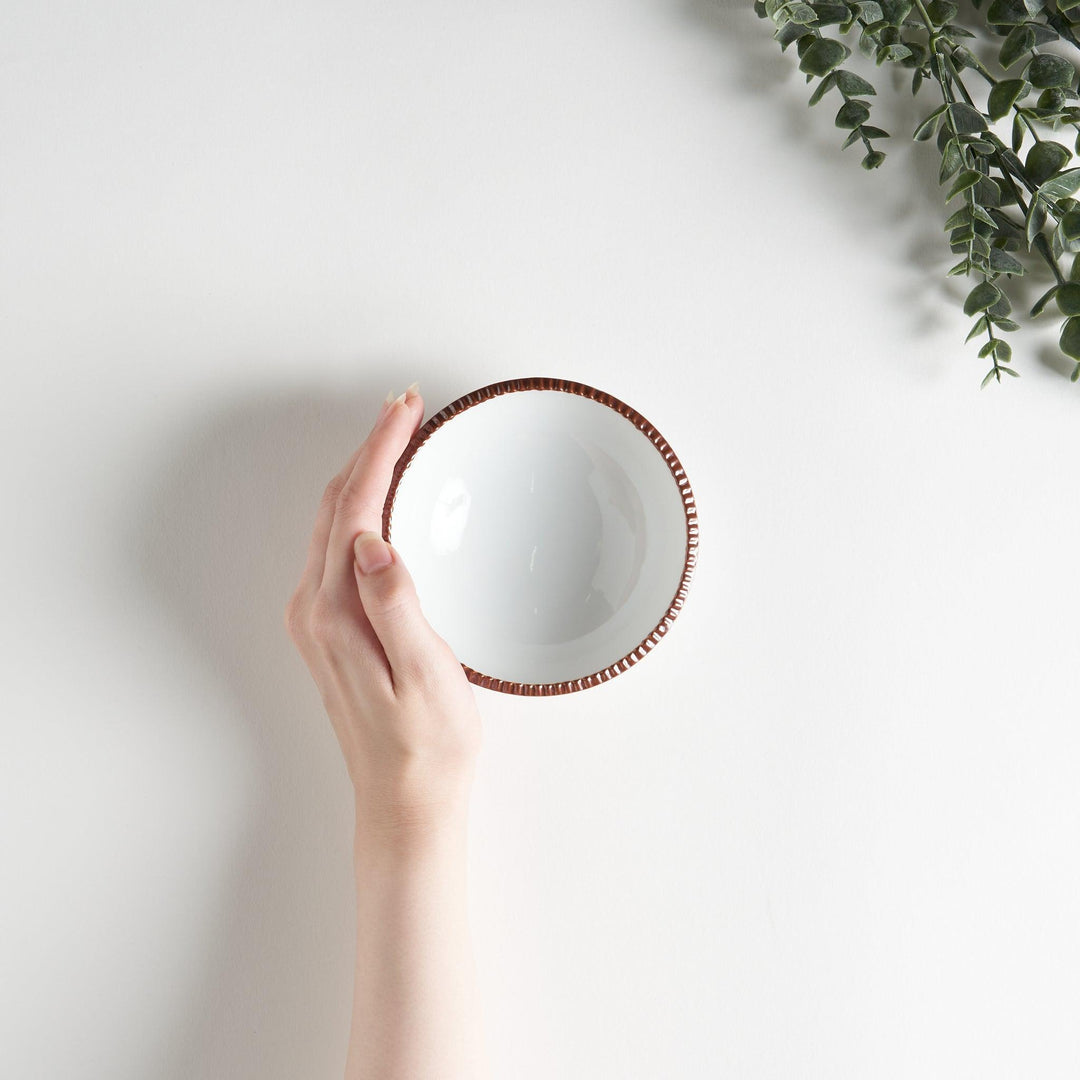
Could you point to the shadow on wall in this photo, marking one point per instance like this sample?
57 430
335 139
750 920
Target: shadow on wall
221 545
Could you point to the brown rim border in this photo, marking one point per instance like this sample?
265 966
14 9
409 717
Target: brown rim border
512 386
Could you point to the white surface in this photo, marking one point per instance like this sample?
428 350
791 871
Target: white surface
546 534
828 829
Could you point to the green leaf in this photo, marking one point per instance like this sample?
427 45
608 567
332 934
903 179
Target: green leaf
1000 307
1006 324
967 179
895 11
988 348
822 56
942 11
1003 351
854 85
1051 101
1036 219
1070 337
1045 159
988 376
951 160
1046 70
1068 298
794 32
1070 227
874 132
1005 95
1039 306
962 267
1061 185
1020 40
1068 5
823 88
920 54
852 113
1007 370
853 137
961 217
965 119
829 14
1017 139
983 296
928 127
987 192
980 214
1007 13
892 54
1076 374
979 328
873 159
1003 263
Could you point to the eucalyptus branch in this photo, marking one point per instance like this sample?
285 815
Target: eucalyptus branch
987 174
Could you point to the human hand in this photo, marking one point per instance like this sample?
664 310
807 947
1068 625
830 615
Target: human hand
401 706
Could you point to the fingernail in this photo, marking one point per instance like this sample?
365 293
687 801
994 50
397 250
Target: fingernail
372 552
384 408
400 398
412 390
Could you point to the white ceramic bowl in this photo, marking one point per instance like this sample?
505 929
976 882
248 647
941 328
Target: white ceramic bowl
551 532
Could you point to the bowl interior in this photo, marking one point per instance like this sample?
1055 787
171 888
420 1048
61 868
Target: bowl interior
545 533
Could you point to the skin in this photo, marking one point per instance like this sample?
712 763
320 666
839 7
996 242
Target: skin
406 719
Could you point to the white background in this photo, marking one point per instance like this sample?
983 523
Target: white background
828 828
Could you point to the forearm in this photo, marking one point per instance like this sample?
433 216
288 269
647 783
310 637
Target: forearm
416 1012
406 719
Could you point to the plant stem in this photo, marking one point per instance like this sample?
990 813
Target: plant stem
993 352
1040 241
931 30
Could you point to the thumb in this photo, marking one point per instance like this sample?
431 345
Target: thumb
390 602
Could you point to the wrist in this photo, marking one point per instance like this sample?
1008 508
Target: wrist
410 826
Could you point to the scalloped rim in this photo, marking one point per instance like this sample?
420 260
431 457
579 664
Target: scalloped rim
513 386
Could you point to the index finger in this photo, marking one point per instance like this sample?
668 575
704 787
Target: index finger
359 505
312 576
